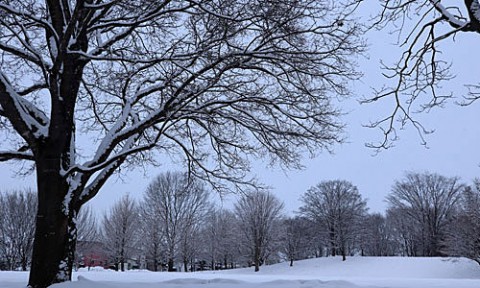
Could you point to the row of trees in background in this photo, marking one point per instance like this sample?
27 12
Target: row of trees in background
176 226
17 226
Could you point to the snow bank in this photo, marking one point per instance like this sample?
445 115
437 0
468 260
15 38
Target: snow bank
210 283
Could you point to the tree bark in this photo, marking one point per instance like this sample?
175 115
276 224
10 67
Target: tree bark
333 248
55 232
122 256
185 264
257 259
170 265
155 255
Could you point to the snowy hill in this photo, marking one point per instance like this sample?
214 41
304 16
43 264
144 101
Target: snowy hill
376 267
387 272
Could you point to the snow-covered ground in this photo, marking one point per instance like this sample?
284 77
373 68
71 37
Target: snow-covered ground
386 272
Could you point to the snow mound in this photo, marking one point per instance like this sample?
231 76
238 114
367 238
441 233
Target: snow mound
375 267
94 268
212 283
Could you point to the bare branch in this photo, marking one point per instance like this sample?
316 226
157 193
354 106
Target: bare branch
15 155
418 74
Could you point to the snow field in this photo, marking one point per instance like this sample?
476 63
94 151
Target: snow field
367 272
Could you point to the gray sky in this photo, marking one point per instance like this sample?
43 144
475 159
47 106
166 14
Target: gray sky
452 148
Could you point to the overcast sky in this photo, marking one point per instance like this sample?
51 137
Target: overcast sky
452 148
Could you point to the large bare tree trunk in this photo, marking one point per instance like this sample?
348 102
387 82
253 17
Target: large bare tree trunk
55 233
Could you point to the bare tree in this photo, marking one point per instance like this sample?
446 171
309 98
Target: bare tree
422 28
152 234
427 201
204 81
179 203
17 226
406 231
120 229
377 236
220 238
190 245
87 225
338 207
88 234
296 238
258 212
463 235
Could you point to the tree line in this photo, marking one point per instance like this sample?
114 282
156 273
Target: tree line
176 226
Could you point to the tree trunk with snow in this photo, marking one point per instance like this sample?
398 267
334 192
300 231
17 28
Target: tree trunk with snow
56 232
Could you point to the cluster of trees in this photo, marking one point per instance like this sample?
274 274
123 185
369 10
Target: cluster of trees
17 226
177 227
177 224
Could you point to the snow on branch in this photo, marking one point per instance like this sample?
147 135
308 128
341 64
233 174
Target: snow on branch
453 20
22 113
92 189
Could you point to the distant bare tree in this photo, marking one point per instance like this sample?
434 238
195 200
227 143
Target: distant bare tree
87 225
208 82
377 236
17 227
296 238
337 207
415 80
189 248
220 238
258 212
463 235
87 232
120 229
428 201
406 231
179 203
152 235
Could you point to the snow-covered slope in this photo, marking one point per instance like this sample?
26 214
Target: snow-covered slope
376 267
387 272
